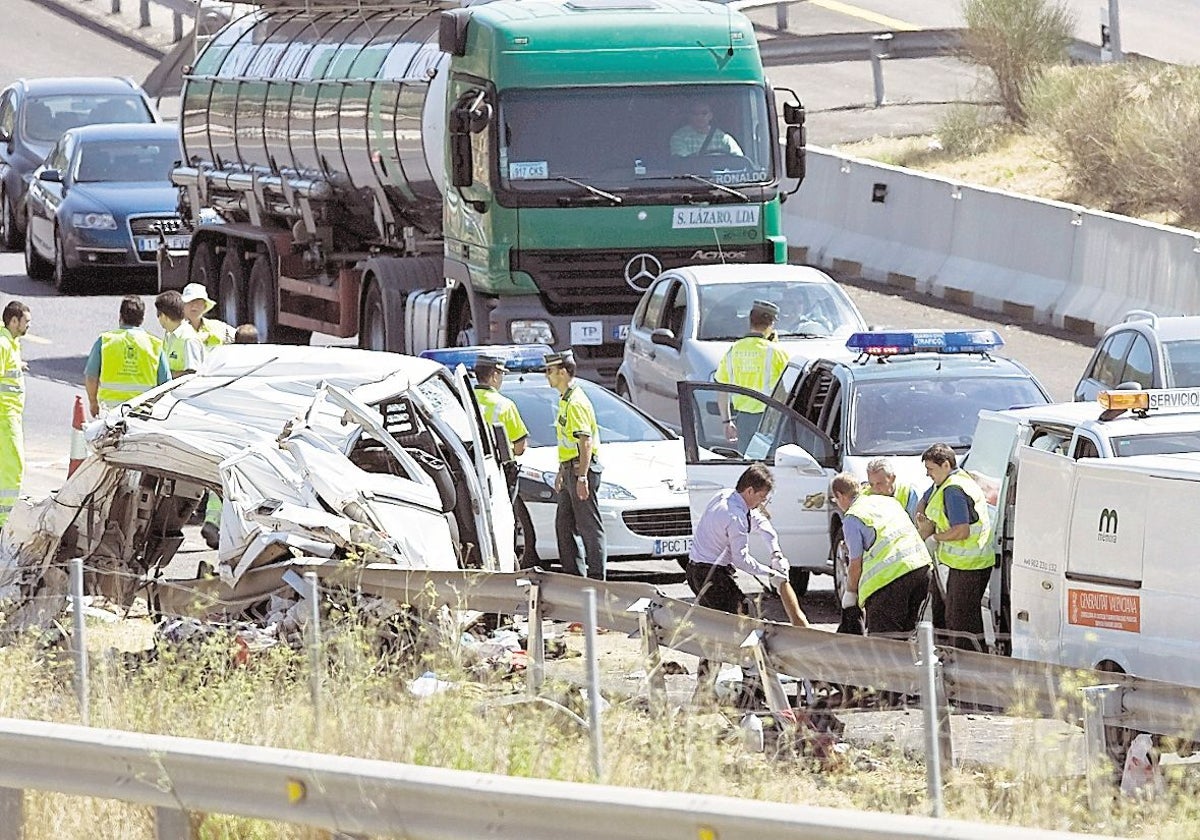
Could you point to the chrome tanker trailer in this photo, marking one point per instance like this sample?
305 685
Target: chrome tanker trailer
426 175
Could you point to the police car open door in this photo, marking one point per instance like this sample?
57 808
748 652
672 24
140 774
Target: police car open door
801 458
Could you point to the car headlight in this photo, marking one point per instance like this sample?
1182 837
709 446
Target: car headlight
614 492
530 332
94 221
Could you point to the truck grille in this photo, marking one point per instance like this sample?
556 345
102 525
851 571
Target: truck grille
663 522
572 280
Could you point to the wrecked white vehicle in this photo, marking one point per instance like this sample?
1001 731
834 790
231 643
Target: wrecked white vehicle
327 452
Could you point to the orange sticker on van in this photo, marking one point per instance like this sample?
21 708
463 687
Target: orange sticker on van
1109 610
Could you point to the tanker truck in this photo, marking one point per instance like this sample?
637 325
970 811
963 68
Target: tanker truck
426 175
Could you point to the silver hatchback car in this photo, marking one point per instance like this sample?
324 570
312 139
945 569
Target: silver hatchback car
1145 350
689 317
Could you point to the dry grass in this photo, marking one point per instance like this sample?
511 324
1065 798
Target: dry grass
370 713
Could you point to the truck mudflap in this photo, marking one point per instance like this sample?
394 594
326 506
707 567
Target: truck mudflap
172 269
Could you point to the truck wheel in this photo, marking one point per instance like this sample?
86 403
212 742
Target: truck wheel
461 330
372 330
231 288
263 303
204 268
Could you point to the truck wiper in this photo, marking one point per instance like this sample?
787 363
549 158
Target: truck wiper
596 191
715 185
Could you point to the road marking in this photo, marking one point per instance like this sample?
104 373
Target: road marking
865 14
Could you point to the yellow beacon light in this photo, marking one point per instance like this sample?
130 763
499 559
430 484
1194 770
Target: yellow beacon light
1124 400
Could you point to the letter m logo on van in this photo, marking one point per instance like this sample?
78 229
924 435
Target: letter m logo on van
1107 531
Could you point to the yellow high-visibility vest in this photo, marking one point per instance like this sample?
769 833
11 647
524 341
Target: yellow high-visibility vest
129 361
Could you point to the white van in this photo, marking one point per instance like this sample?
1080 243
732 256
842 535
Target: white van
1119 424
1104 574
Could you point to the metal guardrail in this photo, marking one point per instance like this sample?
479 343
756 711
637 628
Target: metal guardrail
366 797
840 659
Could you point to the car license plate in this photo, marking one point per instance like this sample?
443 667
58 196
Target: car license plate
672 546
174 243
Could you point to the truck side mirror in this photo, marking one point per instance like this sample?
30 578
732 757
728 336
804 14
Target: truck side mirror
794 161
793 114
462 165
452 31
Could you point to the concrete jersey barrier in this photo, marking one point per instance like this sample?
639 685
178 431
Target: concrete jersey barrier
1043 261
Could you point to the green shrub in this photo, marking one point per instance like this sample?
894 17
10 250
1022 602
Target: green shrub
967 130
1016 41
1126 135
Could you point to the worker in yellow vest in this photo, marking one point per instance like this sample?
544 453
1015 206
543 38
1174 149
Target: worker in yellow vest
881 480
12 405
499 410
956 516
578 481
124 362
888 574
196 304
754 362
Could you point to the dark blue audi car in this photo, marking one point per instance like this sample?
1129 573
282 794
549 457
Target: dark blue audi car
103 201
33 115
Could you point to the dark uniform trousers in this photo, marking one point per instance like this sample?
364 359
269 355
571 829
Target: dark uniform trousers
716 589
575 516
896 608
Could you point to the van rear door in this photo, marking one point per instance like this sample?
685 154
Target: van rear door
1103 598
1041 524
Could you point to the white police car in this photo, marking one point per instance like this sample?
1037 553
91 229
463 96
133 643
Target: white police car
904 392
643 498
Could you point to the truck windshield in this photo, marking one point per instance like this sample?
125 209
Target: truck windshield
635 137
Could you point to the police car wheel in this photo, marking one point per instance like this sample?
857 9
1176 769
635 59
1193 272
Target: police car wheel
799 579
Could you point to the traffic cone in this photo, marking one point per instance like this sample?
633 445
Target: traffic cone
78 445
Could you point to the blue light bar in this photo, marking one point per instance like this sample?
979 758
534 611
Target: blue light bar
924 341
522 358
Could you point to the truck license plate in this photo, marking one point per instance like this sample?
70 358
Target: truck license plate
672 546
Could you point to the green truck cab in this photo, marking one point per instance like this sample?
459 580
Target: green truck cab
510 172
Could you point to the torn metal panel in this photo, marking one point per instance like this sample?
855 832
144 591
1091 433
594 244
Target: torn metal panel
325 452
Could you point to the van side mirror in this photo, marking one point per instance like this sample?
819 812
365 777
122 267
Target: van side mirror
53 176
5 136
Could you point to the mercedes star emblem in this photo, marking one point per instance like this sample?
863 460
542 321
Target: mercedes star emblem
641 271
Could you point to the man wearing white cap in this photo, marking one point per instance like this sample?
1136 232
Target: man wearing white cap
197 303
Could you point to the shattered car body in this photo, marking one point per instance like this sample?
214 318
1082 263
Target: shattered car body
337 453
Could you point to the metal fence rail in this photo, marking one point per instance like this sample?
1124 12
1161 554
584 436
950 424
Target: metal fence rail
885 664
361 796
